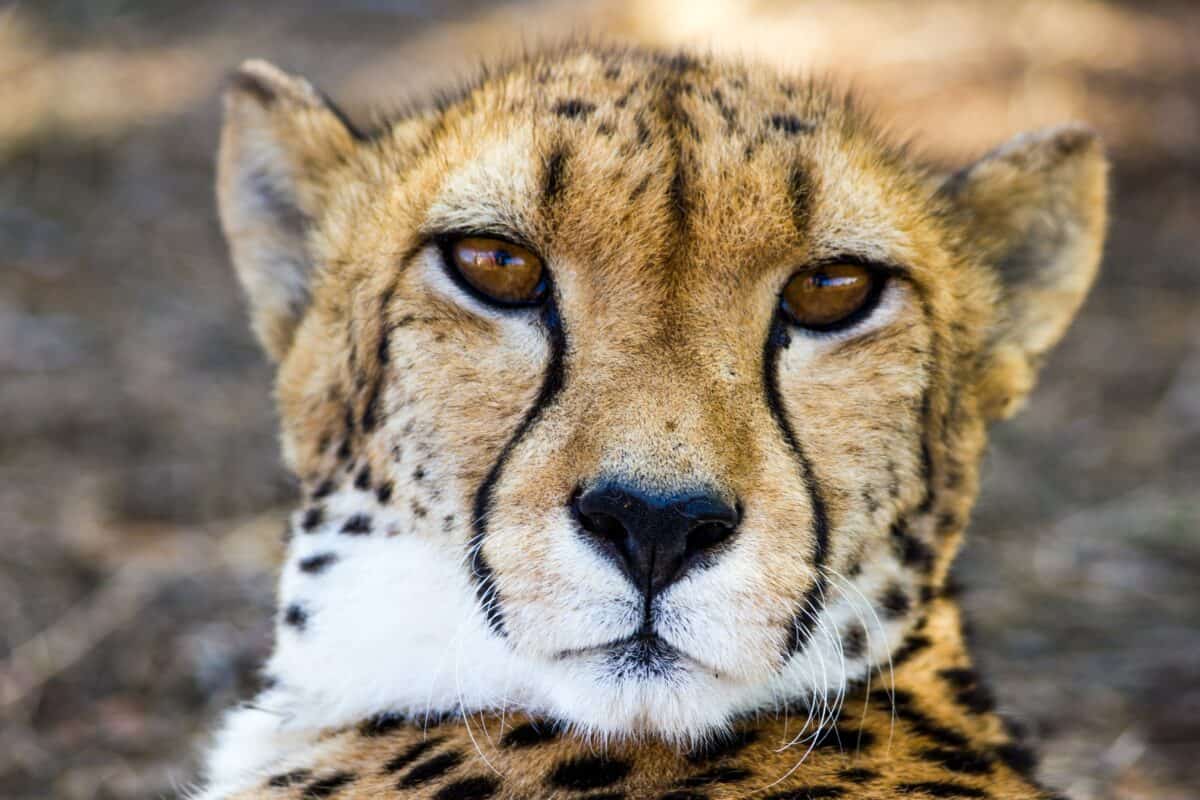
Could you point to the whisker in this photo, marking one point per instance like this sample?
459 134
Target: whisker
891 685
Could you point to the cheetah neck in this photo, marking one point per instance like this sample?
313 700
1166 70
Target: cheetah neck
923 729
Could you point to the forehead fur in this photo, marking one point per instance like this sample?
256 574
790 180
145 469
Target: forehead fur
580 142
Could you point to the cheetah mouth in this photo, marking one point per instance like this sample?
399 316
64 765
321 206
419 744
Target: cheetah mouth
642 654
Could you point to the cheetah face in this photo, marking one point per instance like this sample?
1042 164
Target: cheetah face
636 391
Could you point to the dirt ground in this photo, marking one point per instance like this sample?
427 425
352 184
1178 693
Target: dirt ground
141 494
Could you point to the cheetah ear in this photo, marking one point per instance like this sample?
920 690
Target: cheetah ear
1035 212
279 141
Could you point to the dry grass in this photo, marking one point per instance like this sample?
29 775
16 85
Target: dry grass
137 452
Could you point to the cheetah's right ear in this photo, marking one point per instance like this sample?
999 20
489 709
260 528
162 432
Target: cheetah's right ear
279 141
1034 211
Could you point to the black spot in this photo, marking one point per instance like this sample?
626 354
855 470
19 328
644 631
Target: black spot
948 523
678 193
381 724
343 451
958 677
408 756
895 602
678 62
358 525
808 793
363 479
480 787
323 490
790 124
591 772
800 193
418 510
612 72
384 493
728 113
911 551
292 778
419 474
977 699
970 693
529 735
428 770
317 563
842 739
312 518
967 761
854 641
554 177
296 617
910 647
858 775
927 727
371 409
382 351
941 789
640 189
1018 758
719 775
574 108
327 786
724 747
926 467
643 131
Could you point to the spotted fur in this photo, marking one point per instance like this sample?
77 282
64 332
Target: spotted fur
446 631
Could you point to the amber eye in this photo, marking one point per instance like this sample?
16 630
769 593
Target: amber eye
828 297
501 271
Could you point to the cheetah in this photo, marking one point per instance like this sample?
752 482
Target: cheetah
637 401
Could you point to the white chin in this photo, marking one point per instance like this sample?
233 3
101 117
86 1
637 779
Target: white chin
640 689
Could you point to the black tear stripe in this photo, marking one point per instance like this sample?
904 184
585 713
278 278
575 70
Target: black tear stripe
814 598
552 383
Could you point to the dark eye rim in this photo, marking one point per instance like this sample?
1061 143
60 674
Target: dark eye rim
444 242
881 275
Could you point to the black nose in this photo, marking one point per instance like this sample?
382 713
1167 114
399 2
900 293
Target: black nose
654 539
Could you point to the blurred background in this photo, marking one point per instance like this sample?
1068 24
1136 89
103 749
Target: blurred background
141 496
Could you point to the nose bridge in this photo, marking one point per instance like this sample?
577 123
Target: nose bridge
662 416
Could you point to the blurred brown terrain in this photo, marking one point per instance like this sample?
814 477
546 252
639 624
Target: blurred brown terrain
140 486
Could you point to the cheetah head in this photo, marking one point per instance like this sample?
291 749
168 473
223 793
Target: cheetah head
637 391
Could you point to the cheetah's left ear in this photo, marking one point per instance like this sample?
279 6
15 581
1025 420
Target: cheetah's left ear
1034 211
279 144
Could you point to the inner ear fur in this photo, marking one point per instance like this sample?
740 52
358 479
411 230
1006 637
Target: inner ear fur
279 141
1035 212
